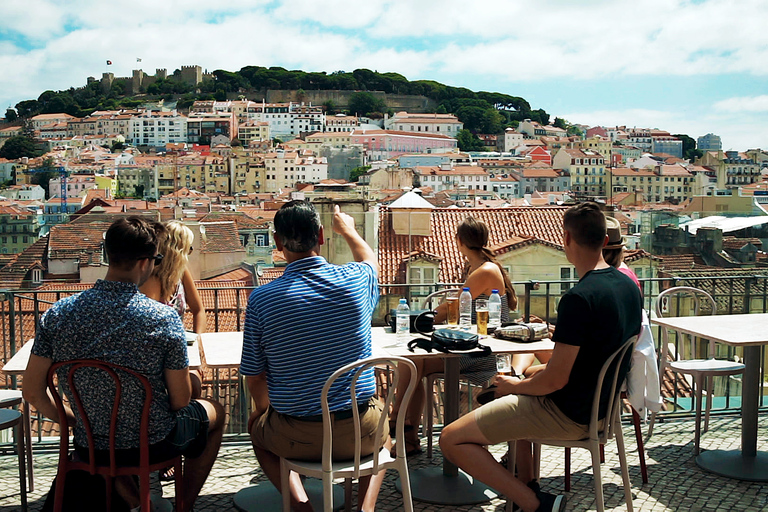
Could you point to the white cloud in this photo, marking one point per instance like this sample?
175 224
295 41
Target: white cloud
743 104
55 45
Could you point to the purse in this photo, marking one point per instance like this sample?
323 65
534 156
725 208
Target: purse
523 332
448 340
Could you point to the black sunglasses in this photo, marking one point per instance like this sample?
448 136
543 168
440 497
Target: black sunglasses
157 258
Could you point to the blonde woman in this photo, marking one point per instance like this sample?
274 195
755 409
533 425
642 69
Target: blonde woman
171 282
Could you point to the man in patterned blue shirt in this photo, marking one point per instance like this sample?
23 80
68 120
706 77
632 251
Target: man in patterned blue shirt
301 328
116 323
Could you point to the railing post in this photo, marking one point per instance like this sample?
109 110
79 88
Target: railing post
12 328
529 287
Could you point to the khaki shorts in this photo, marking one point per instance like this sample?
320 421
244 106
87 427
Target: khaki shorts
288 437
519 417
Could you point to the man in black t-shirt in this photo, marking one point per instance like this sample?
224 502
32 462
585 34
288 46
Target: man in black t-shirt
594 318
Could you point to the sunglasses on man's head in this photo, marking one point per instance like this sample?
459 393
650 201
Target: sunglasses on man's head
157 258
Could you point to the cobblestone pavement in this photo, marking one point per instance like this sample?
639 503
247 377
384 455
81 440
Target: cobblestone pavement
676 483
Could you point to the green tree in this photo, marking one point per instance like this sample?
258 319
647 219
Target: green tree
355 173
468 141
138 191
27 108
18 147
690 152
364 103
560 123
330 108
11 115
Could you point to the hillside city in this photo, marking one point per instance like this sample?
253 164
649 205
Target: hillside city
225 165
409 162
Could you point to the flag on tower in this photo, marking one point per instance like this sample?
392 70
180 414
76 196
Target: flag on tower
138 59
109 63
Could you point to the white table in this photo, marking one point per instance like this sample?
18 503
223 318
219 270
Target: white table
750 332
18 363
448 485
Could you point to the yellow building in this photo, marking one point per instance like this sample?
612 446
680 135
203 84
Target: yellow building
586 168
672 183
335 139
600 144
252 130
106 183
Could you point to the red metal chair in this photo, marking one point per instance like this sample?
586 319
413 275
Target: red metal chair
112 469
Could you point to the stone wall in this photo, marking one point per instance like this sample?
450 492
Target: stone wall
396 102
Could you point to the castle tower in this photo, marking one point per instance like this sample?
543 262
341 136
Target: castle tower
192 75
106 81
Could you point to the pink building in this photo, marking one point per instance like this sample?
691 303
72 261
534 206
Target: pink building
385 144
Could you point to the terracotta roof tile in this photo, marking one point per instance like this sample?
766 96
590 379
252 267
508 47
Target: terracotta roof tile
221 237
77 239
13 273
543 223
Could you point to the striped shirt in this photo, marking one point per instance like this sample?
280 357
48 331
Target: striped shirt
303 326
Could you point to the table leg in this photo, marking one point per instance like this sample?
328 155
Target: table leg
448 485
745 464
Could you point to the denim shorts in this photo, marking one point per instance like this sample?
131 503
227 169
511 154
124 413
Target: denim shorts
188 437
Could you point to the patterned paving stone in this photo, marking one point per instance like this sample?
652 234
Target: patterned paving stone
676 483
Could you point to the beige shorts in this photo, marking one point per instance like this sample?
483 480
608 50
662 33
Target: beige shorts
518 417
291 438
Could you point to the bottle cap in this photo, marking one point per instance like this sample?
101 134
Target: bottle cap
403 301
466 288
494 291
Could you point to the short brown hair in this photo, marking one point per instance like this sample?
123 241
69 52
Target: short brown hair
132 238
586 224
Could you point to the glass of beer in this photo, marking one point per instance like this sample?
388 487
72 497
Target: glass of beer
504 364
481 310
452 299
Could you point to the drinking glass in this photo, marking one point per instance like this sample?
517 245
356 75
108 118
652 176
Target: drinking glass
504 364
481 313
453 308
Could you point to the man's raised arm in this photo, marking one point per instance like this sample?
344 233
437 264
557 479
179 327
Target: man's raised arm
344 225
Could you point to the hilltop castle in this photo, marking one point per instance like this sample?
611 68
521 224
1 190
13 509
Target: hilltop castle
139 81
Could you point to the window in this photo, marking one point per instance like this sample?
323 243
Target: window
565 274
422 275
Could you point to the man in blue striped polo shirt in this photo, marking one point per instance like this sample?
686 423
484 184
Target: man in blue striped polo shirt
301 328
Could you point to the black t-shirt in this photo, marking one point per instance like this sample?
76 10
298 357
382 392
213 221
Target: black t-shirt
598 314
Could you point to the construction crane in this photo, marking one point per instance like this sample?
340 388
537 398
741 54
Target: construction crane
62 172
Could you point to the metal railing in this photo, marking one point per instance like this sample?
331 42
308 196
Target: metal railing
20 312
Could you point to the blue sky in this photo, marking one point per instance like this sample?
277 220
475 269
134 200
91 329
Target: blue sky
690 67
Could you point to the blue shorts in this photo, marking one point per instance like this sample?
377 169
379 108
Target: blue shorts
188 437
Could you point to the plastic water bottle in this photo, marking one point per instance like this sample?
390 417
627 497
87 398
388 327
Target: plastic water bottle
494 311
403 322
465 310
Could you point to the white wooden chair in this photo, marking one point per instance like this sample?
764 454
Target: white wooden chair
599 431
701 370
380 460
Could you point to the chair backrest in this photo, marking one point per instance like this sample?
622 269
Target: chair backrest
398 364
439 293
677 292
115 372
675 295
609 386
